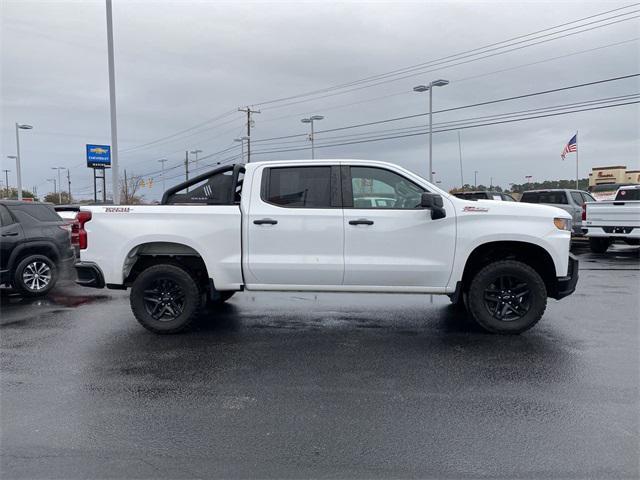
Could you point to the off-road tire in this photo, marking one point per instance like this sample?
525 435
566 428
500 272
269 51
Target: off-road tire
483 281
598 244
150 280
24 276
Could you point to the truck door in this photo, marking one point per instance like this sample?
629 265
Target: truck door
295 233
389 240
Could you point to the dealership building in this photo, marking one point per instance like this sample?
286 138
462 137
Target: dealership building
613 174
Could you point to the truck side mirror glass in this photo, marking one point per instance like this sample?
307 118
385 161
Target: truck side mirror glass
427 200
433 202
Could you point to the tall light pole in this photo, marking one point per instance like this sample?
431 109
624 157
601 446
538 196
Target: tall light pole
310 120
59 184
475 179
19 126
196 152
115 175
528 178
424 88
163 161
6 181
241 140
54 184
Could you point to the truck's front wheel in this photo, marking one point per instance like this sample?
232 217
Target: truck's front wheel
165 298
507 297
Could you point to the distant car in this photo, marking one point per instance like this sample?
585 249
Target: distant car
485 195
36 244
606 191
571 201
610 220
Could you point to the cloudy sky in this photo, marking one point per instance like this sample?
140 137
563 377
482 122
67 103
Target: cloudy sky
183 67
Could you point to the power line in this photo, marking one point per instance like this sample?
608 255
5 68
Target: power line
470 53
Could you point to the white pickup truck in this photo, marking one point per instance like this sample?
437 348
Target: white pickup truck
610 220
304 226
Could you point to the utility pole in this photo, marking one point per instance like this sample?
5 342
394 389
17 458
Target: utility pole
6 181
69 184
460 154
490 183
196 152
126 188
186 167
163 161
248 111
59 184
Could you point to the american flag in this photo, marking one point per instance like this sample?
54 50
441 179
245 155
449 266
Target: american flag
572 146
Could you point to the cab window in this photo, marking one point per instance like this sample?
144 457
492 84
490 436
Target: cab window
301 187
382 189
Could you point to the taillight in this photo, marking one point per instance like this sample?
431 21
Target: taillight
584 211
78 228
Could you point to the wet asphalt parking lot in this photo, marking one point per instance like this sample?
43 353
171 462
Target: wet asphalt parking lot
326 385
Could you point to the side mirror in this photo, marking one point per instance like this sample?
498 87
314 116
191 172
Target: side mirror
433 202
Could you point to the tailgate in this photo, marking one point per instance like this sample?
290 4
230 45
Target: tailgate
614 213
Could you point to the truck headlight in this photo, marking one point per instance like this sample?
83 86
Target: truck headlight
562 224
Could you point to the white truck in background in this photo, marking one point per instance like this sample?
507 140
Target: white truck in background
609 220
311 226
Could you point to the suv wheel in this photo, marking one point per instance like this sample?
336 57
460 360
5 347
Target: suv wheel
507 297
165 299
35 275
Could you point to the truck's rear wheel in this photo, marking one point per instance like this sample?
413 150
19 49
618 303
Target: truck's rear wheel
507 297
599 244
165 298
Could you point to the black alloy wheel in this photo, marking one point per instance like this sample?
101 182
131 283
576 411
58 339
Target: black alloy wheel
507 298
164 300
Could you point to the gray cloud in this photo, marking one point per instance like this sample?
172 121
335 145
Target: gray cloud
181 63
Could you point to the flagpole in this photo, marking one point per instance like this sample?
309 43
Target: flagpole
577 151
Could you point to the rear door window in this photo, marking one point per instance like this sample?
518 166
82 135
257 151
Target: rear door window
555 198
628 194
587 198
577 198
298 187
35 212
5 216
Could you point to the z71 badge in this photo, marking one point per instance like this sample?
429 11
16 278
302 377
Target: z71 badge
475 209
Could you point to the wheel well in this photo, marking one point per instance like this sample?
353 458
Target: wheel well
533 255
41 249
154 253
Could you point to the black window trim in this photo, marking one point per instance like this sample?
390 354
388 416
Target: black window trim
334 185
347 188
8 212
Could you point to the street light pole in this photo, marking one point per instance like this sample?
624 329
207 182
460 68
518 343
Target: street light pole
115 175
54 184
310 120
6 181
59 184
19 126
241 140
196 152
424 88
475 179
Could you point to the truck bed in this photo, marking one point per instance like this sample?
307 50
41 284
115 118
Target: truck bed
116 232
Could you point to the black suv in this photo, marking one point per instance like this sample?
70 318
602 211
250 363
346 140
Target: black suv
35 245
